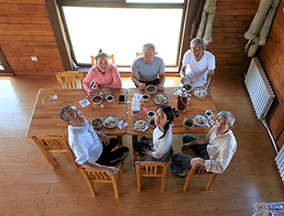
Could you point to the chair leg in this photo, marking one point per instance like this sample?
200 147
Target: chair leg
89 182
211 180
189 176
138 177
135 154
114 184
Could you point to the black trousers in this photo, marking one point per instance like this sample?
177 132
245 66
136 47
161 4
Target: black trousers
153 82
111 158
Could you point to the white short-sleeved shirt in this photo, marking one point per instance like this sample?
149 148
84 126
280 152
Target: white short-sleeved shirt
196 72
85 143
148 72
163 145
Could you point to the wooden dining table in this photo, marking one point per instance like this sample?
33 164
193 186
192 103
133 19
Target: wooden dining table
195 105
45 118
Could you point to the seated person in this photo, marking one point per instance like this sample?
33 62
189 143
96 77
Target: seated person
102 74
161 149
214 150
85 142
148 69
197 65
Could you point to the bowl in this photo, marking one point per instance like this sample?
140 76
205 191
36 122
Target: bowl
188 123
199 92
151 114
151 89
145 97
109 98
188 87
152 122
97 122
97 99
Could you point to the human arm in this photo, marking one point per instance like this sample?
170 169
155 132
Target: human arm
97 167
104 137
88 79
210 81
162 77
182 74
136 81
188 145
197 162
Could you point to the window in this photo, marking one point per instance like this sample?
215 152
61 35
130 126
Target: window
123 30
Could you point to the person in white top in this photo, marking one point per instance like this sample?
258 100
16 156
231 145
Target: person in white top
90 151
161 148
214 150
197 65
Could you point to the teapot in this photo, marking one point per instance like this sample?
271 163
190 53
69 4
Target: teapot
183 99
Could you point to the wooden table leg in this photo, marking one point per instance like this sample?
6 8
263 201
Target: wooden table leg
135 153
119 140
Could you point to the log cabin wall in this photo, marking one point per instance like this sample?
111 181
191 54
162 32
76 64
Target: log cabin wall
272 59
25 31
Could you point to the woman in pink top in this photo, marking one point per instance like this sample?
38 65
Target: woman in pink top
103 74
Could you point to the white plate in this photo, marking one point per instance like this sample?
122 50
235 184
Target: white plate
200 119
110 121
140 125
158 96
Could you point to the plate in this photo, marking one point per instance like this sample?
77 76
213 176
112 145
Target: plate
160 98
110 121
200 119
105 92
140 125
199 92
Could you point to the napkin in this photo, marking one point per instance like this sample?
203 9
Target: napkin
122 124
84 102
210 122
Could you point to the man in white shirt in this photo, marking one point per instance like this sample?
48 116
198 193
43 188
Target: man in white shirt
197 65
85 142
214 150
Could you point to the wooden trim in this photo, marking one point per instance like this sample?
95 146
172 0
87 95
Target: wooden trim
5 64
57 25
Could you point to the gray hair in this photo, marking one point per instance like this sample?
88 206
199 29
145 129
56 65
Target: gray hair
197 41
149 46
64 109
228 115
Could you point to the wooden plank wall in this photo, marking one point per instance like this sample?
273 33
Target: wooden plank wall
25 31
272 58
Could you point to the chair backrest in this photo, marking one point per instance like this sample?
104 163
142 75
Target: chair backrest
151 169
93 59
200 172
70 79
141 53
49 144
92 176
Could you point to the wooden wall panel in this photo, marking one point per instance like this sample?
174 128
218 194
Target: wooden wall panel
25 31
272 58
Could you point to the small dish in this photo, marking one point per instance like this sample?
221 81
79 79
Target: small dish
188 123
104 92
110 121
109 98
97 99
151 114
199 92
200 119
209 113
97 122
160 98
188 87
145 97
152 122
151 89
140 125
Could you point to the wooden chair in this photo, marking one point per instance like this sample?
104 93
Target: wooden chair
70 79
49 144
141 53
200 172
92 176
153 170
93 59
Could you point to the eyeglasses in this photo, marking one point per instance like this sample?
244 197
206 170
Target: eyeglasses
75 115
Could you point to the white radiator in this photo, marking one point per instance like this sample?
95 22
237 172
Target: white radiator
280 162
259 88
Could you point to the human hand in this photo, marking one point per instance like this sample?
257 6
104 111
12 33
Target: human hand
146 151
208 89
105 139
182 80
188 145
197 162
160 87
111 171
142 86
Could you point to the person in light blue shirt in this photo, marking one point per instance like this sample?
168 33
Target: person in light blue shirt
148 69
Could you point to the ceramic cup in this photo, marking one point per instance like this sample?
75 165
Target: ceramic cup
145 97
151 114
209 113
109 98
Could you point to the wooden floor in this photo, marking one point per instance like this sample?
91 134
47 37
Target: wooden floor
30 187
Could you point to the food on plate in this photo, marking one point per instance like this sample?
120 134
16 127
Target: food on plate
105 92
97 99
160 98
199 92
140 125
97 121
151 89
200 119
188 123
110 121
